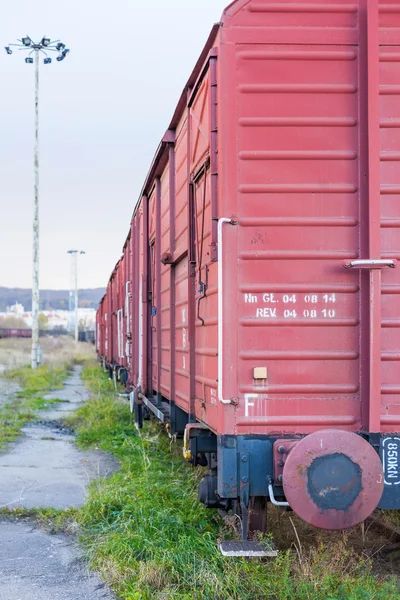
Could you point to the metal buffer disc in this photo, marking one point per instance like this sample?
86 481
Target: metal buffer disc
333 479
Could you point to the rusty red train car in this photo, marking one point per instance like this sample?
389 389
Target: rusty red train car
256 304
7 332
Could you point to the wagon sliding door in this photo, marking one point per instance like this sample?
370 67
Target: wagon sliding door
206 299
153 325
181 333
301 208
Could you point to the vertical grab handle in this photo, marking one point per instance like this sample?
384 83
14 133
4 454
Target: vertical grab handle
221 222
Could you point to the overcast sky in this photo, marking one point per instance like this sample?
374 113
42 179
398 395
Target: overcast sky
103 112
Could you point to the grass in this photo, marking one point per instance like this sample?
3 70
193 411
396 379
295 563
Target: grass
150 538
22 406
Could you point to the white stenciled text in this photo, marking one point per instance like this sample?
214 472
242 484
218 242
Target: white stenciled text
272 305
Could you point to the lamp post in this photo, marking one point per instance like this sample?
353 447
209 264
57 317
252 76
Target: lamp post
74 276
37 48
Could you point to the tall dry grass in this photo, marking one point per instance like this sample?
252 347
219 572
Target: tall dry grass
63 350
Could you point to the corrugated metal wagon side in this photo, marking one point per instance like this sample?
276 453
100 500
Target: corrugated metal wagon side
310 260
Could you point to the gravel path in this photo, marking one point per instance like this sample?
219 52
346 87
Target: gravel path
45 469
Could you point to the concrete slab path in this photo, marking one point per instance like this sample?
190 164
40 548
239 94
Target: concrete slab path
45 469
37 566
7 389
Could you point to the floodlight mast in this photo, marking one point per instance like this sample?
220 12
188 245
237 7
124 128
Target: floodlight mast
26 43
74 276
36 354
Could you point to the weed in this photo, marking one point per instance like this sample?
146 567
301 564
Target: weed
151 539
40 380
51 520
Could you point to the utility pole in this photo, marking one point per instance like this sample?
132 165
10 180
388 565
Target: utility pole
74 284
36 48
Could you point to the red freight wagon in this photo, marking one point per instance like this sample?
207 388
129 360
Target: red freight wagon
106 319
99 329
263 281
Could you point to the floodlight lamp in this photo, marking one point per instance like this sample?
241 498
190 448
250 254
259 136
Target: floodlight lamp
8 49
60 46
60 58
29 60
26 41
45 41
65 52
47 60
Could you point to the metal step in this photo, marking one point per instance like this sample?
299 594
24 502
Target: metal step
161 411
248 548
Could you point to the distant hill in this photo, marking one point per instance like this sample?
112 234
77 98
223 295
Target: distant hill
49 299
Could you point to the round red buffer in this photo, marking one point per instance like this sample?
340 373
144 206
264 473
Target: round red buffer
333 479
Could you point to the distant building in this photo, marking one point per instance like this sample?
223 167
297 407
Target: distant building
16 309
